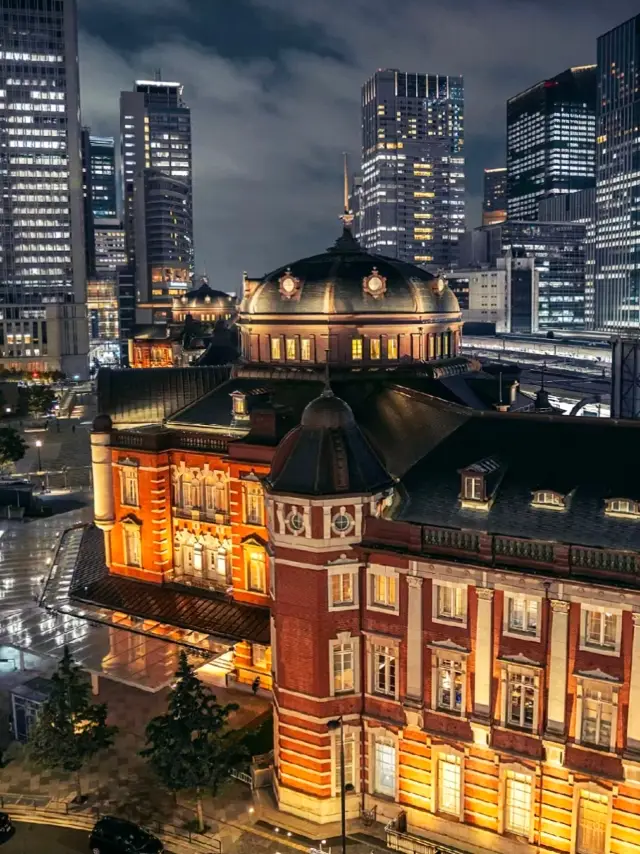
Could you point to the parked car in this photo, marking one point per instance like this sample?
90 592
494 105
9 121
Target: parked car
113 835
6 826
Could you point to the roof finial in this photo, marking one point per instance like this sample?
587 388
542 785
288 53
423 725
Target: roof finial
347 216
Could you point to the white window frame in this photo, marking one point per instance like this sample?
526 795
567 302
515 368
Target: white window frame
444 753
585 611
588 682
512 772
385 572
508 629
259 655
510 674
344 639
472 487
580 790
388 739
129 480
393 647
461 588
130 530
547 499
438 659
339 571
352 744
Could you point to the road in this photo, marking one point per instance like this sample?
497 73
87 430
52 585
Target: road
43 839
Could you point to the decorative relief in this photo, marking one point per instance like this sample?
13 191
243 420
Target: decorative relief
561 606
375 285
289 285
484 593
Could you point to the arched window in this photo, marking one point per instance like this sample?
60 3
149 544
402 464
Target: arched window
197 558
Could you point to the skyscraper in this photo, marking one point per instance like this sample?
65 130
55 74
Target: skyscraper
550 140
155 126
617 276
99 161
412 199
494 203
43 324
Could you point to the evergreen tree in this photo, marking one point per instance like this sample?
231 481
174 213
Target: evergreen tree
40 399
191 746
12 446
70 729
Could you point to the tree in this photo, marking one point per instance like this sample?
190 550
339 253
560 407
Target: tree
12 446
40 399
191 746
70 729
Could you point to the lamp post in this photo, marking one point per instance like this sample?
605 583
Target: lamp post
332 726
38 446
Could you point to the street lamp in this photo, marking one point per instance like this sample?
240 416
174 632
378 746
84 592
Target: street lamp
332 726
38 446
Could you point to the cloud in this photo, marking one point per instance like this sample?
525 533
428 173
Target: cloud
270 124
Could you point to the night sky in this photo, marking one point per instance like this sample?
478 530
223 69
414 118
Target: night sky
274 90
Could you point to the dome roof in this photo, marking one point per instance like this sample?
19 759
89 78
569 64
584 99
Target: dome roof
333 283
327 454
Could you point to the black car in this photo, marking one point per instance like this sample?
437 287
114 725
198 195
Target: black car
113 835
6 826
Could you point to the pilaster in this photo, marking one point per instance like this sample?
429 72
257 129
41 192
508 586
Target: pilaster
557 687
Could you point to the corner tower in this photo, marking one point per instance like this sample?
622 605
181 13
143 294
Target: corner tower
325 481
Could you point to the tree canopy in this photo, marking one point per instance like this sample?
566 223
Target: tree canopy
40 399
12 446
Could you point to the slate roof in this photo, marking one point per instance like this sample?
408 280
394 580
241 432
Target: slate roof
173 604
332 284
589 460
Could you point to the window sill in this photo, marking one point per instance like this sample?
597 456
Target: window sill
450 621
447 714
520 730
599 650
388 698
592 748
347 606
529 636
383 609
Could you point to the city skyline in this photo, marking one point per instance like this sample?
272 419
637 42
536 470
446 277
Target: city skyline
285 85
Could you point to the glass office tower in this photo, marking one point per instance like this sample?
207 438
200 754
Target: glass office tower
43 323
617 276
412 197
551 140
494 202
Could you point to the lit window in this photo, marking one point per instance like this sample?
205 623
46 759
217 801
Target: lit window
450 602
374 348
597 714
383 590
129 486
548 499
216 495
349 747
392 348
449 784
384 764
384 670
592 821
291 348
473 488
132 549
259 655
256 571
450 679
253 504
222 563
343 668
600 629
276 349
197 557
517 804
356 348
305 349
521 699
623 507
341 587
522 615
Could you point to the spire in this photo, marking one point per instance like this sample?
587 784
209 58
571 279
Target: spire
347 216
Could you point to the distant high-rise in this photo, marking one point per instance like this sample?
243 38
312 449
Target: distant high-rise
551 140
617 254
412 198
155 126
99 188
43 322
494 203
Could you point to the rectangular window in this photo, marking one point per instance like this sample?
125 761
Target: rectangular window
392 348
522 696
259 655
600 629
384 763
597 715
449 789
517 804
256 571
129 486
356 348
349 763
450 602
343 668
276 349
384 590
132 551
522 615
291 349
593 809
254 505
342 588
384 670
450 685
374 348
473 489
305 349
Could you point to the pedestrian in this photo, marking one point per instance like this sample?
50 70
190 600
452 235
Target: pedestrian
73 428
255 685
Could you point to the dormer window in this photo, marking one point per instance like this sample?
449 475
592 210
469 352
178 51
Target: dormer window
625 508
548 499
479 482
473 488
239 410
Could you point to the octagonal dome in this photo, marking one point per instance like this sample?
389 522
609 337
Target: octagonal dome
335 283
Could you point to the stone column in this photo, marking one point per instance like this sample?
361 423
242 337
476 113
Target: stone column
557 688
633 723
483 653
414 638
